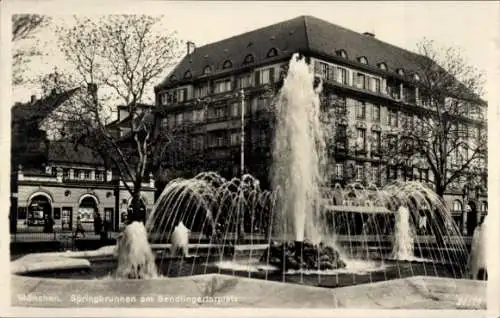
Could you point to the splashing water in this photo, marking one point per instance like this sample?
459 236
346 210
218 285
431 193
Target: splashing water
135 257
403 237
180 239
298 155
478 261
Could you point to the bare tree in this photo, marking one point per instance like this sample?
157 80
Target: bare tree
24 27
449 134
123 55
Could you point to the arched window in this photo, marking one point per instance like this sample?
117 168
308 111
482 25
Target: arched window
363 60
457 206
88 208
248 59
272 52
382 66
207 70
342 53
227 64
39 208
484 207
187 75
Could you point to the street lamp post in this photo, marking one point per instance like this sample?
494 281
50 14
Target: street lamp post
464 209
242 152
477 195
240 226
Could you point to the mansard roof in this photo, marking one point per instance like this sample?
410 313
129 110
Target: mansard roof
304 34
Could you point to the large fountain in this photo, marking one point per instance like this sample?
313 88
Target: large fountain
300 230
299 225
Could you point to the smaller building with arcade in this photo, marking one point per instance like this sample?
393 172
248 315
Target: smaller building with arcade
71 186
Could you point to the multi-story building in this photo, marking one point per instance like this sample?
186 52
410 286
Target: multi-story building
370 87
54 178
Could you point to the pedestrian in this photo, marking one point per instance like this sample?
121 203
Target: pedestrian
97 223
48 225
104 232
79 227
51 224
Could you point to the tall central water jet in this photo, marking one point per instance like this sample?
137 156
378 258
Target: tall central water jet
298 154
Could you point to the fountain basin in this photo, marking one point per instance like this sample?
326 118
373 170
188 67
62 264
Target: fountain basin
103 263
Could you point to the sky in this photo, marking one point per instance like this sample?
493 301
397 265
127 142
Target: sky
470 26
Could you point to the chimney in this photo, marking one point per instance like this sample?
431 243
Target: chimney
191 47
369 34
33 99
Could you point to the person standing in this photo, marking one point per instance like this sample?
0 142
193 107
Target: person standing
97 223
79 227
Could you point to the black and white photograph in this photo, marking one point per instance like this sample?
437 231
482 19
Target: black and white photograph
248 155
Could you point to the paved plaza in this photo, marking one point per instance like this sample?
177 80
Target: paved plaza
227 291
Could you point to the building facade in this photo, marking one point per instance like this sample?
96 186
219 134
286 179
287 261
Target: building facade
54 178
369 87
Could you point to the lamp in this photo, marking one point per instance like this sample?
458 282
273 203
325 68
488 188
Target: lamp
465 191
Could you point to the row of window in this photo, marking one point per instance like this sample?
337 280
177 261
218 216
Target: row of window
329 72
223 85
84 174
249 58
361 80
214 113
374 173
394 118
80 174
216 139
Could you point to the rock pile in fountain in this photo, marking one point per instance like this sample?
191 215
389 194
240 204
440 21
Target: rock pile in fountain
302 255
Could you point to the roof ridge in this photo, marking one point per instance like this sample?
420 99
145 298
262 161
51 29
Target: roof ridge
361 34
217 42
306 30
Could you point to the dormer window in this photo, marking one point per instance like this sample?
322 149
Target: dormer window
272 52
416 77
363 60
342 54
382 66
400 72
248 59
227 64
173 78
207 70
187 75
